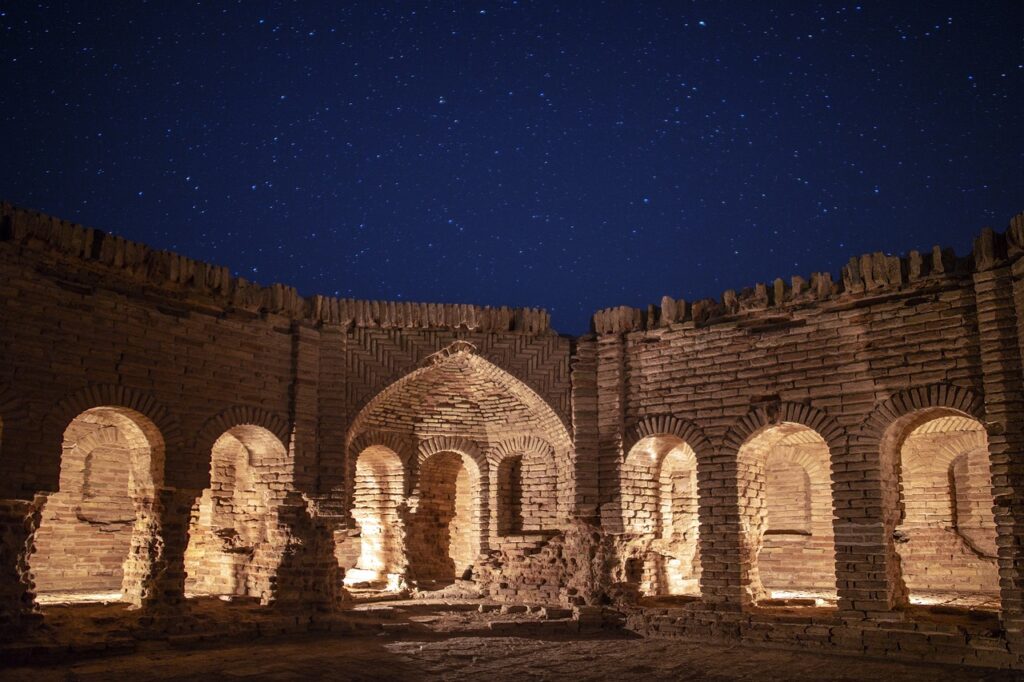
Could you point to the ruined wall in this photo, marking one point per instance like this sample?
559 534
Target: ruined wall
858 362
91 320
774 441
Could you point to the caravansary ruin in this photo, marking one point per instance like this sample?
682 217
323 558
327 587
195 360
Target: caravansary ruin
835 464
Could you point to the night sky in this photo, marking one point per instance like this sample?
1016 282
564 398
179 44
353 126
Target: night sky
571 156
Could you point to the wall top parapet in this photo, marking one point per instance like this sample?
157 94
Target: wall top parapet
870 277
214 286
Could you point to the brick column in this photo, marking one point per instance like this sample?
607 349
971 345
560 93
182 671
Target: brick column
723 561
611 408
584 421
1000 304
308 575
305 406
867 572
18 522
154 574
332 424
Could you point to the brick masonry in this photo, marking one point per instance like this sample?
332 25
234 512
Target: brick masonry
169 429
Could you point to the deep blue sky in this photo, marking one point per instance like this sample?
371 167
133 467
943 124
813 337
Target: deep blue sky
571 156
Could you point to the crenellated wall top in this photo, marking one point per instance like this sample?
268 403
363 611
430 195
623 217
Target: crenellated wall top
862 280
213 286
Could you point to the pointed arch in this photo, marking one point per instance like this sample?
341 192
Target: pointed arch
458 394
555 428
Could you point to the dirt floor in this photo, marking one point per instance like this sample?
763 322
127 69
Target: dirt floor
417 639
461 657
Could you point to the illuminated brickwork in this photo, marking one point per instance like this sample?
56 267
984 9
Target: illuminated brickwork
848 450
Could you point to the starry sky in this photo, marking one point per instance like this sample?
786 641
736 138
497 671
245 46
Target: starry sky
565 155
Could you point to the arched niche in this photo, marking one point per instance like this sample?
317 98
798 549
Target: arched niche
945 535
444 532
659 504
231 548
785 502
458 394
94 532
378 511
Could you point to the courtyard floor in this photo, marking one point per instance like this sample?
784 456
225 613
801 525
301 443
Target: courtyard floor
460 657
467 645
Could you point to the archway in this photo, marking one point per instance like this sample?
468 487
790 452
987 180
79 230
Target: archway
444 527
946 536
458 394
377 509
659 506
785 499
232 521
91 544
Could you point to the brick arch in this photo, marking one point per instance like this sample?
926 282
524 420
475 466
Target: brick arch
470 453
667 425
241 415
760 418
111 395
463 446
104 436
520 445
881 434
400 444
405 370
459 369
158 424
539 492
880 440
914 400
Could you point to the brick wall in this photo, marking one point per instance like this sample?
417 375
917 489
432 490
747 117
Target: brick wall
855 437
93 321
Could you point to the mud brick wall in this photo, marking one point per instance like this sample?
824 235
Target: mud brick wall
796 537
860 436
860 362
824 358
378 508
90 320
249 478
